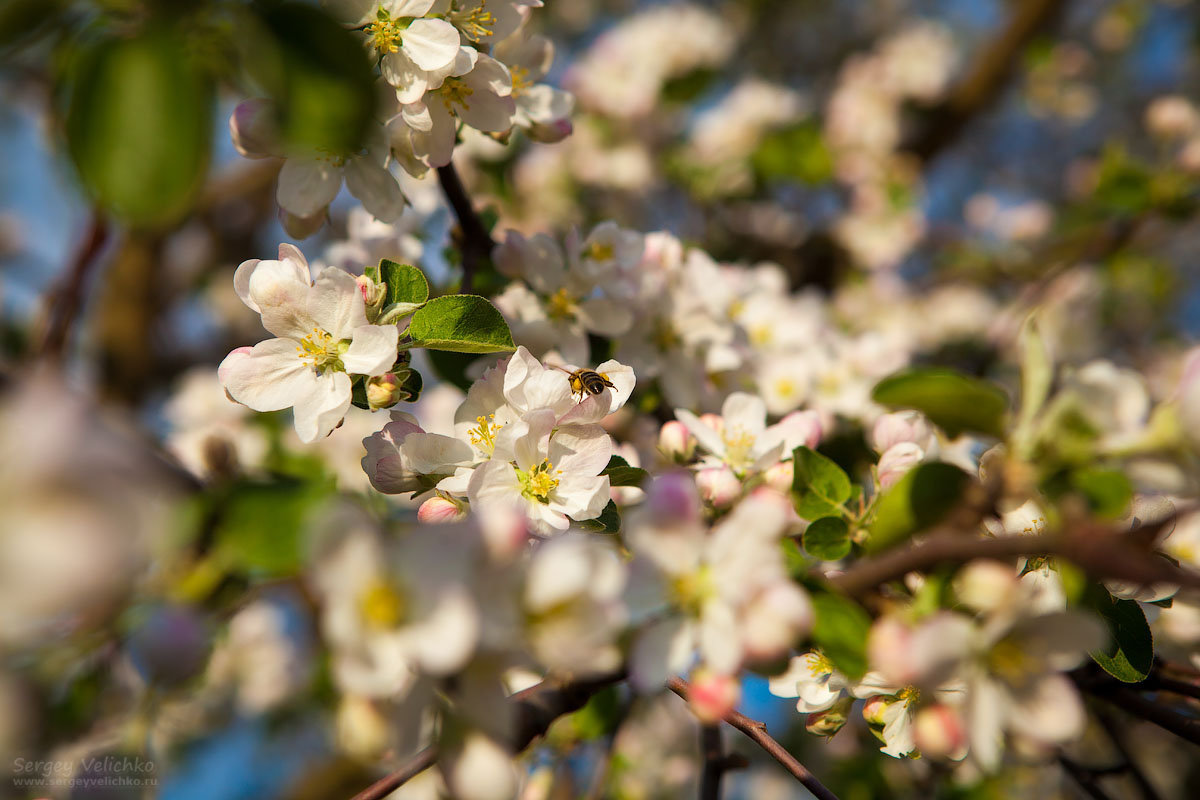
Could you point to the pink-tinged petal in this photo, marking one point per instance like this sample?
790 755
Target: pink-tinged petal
372 350
241 282
580 449
336 304
708 438
489 77
319 411
433 453
267 377
605 317
306 186
432 44
663 649
281 297
383 463
253 130
376 188
622 379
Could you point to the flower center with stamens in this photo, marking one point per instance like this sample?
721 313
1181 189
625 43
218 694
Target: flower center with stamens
454 90
474 24
539 482
664 336
600 251
483 435
321 350
382 605
560 305
520 79
387 33
691 590
1008 660
738 445
819 665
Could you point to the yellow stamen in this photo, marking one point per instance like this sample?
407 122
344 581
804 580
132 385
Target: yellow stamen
483 435
381 605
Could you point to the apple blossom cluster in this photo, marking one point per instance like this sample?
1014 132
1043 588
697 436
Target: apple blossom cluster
442 64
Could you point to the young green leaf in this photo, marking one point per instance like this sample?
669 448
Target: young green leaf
840 631
139 125
918 501
462 323
620 473
405 284
1130 651
609 520
819 486
952 401
827 538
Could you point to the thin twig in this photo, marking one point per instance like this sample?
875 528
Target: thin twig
1117 737
1164 716
714 766
534 709
1173 685
476 243
66 298
1084 778
757 732
411 769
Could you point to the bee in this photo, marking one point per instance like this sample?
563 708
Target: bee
585 381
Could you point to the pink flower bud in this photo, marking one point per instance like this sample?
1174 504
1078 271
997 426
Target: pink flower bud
384 391
253 130
373 293
676 443
440 509
718 486
939 732
774 620
985 585
779 477
876 707
672 497
804 427
551 132
889 650
831 720
898 460
712 695
901 426
505 532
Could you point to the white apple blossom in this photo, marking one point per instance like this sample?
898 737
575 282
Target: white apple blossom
323 338
813 680
740 438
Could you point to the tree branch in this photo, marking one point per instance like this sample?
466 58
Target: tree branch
534 709
757 732
66 298
1084 778
1100 551
1116 736
942 123
1127 699
714 766
475 242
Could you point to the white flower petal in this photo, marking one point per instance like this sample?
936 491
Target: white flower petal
372 349
267 377
336 303
318 412
432 44
307 186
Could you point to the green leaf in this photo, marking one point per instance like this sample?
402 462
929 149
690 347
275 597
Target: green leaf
318 74
952 401
405 283
139 124
1037 373
918 501
609 520
795 153
462 323
261 526
819 486
1108 491
620 473
798 564
828 538
1130 653
840 631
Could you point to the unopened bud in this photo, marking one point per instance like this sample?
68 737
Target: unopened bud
440 509
361 728
673 497
900 426
875 709
831 720
779 477
253 130
939 731
384 391
373 293
551 132
897 461
718 486
984 585
712 695
676 443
